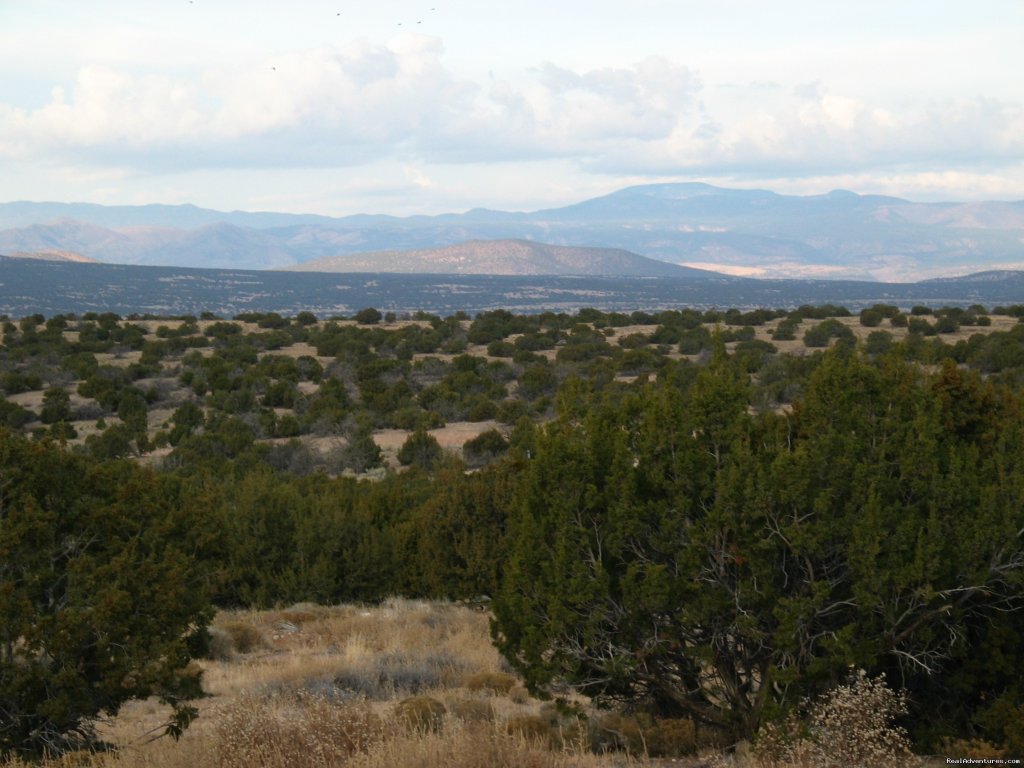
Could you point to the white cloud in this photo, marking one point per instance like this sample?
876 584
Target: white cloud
814 113
318 105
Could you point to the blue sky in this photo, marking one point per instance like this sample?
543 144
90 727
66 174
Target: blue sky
423 107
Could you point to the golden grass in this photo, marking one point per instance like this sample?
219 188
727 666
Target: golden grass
286 702
276 699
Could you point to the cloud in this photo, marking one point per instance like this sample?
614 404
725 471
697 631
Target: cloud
330 105
815 131
561 113
343 106
361 103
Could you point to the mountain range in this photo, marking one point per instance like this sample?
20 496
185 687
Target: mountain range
756 233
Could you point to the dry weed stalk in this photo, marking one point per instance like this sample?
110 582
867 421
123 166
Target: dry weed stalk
851 726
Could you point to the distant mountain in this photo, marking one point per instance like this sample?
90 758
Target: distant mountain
502 257
744 232
211 245
24 213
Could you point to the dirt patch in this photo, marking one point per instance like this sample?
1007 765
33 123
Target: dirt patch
299 349
451 436
121 359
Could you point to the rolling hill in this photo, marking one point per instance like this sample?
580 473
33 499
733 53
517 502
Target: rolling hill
501 257
742 232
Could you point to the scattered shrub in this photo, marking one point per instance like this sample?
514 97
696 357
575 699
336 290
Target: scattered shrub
878 342
368 316
921 326
221 646
421 713
420 449
501 348
870 318
245 638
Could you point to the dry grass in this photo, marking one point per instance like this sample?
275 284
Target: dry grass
121 358
348 686
283 694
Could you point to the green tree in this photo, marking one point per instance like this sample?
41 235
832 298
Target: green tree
458 534
56 406
671 549
420 449
187 418
484 448
870 318
361 451
368 316
13 415
101 600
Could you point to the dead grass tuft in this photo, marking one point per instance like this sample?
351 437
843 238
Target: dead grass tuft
471 710
421 713
479 745
293 731
244 637
497 683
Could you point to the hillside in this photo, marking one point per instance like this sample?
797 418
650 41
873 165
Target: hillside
53 255
502 257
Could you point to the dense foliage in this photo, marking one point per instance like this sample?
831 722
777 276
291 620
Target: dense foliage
674 549
102 595
666 509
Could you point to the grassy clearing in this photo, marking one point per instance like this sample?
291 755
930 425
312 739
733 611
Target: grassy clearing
405 684
408 683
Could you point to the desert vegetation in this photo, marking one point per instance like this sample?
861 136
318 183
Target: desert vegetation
418 683
687 532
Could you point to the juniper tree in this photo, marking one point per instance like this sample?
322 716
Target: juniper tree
673 550
101 596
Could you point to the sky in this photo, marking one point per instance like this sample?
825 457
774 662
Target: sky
429 106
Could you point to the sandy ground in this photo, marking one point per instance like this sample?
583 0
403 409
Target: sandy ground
451 436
